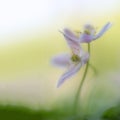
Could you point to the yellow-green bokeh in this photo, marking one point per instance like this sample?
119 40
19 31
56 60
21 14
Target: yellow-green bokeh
31 58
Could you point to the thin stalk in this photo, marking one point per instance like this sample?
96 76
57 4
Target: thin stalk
76 102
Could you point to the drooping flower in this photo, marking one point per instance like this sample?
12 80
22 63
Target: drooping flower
74 61
89 33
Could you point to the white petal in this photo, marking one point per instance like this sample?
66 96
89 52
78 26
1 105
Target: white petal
84 57
69 73
61 60
72 40
103 30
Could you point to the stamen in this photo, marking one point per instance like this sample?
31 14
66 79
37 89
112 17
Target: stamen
87 32
75 58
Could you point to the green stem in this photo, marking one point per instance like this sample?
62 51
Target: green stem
76 102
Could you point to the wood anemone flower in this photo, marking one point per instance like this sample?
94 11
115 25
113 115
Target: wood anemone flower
74 61
89 35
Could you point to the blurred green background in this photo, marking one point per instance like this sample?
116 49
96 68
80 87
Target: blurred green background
29 38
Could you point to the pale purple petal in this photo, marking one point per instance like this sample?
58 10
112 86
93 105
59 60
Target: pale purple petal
69 34
85 38
61 60
84 57
103 30
72 40
69 73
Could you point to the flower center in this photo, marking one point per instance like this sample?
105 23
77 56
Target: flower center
75 58
87 32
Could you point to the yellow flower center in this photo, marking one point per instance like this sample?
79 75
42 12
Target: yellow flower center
75 58
87 32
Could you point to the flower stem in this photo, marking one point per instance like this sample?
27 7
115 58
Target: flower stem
76 102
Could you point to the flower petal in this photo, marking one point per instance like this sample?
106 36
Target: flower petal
89 28
84 57
61 60
88 34
85 38
72 40
69 34
75 68
103 30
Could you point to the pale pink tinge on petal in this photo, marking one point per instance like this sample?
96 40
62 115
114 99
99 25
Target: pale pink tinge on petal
61 60
103 30
69 73
72 40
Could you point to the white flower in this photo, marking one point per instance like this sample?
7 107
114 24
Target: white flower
89 35
74 61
